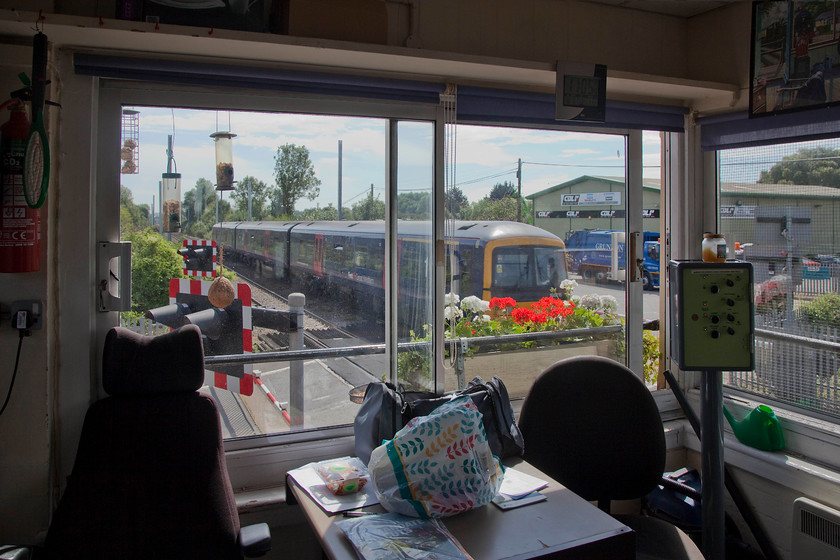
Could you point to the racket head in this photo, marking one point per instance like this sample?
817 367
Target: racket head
36 168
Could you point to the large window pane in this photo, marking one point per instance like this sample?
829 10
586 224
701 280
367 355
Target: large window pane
520 198
279 230
779 208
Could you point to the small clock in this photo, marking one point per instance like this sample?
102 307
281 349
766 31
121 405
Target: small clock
581 92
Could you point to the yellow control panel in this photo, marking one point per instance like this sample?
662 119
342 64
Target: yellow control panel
712 315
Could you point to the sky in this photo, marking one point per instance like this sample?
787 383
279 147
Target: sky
485 156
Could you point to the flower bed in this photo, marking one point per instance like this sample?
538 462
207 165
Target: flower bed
492 321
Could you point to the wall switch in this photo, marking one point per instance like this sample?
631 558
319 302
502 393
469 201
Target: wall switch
31 319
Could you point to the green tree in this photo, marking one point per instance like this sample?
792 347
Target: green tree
196 202
414 206
132 217
154 261
455 202
503 190
259 197
809 166
369 208
328 213
488 209
294 176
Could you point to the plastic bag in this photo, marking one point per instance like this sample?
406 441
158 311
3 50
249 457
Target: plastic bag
437 465
390 536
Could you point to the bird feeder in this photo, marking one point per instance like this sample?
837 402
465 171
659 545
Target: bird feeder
130 147
170 194
224 160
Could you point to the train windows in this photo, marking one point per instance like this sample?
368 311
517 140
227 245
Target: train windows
551 269
361 257
459 270
512 268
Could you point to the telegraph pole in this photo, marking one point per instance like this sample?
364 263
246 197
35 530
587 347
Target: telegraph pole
339 180
519 190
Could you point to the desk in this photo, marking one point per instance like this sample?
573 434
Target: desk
563 526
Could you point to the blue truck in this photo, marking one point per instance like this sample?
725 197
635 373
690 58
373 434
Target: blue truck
598 255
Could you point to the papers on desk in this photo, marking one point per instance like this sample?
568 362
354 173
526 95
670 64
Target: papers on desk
519 489
313 484
391 535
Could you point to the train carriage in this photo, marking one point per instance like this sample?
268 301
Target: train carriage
484 258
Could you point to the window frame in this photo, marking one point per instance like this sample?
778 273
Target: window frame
261 460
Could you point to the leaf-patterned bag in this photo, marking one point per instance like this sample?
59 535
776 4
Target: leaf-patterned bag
437 465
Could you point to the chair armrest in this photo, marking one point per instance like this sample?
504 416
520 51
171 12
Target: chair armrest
12 552
255 540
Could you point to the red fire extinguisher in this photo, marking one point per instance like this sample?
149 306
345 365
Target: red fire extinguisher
20 225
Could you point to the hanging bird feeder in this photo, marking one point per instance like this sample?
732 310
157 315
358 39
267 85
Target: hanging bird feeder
224 160
170 194
130 147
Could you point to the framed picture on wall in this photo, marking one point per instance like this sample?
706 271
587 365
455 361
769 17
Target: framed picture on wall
795 59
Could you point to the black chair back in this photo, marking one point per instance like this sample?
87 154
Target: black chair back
150 479
592 425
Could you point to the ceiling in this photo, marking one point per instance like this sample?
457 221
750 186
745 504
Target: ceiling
680 8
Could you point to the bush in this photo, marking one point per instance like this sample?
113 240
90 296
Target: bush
823 310
154 261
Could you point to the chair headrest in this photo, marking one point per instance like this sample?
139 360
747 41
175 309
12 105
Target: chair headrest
137 364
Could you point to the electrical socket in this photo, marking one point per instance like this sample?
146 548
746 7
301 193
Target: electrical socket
34 309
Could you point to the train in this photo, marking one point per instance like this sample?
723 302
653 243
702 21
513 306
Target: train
484 258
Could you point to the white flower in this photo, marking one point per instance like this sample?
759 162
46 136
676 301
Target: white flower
451 299
569 285
609 304
590 301
475 304
452 313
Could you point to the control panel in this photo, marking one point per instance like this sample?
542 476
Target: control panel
712 318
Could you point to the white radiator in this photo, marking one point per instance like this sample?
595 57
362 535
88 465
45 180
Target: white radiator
816 531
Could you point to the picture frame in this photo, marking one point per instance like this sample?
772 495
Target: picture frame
794 56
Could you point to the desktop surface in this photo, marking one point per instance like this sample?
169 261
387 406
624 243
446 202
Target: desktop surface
563 526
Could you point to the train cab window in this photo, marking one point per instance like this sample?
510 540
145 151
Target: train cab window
512 268
550 266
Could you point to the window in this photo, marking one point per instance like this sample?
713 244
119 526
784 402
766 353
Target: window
368 280
779 208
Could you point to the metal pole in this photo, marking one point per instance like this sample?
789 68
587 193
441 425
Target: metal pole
297 301
519 190
339 180
160 208
711 450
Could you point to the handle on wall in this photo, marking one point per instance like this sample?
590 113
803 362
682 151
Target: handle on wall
107 279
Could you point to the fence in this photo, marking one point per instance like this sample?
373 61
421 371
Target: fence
819 279
795 362
143 326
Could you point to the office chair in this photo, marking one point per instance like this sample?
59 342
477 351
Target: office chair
150 479
592 425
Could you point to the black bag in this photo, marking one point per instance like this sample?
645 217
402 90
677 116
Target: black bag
385 410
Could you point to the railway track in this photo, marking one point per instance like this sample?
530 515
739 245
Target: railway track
317 329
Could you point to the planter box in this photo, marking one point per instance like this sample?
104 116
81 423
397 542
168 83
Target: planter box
519 368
